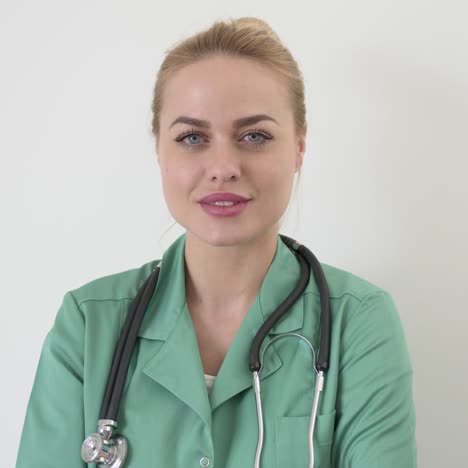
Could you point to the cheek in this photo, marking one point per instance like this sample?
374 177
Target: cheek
177 179
169 181
275 187
278 177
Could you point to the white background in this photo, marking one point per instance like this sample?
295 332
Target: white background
383 191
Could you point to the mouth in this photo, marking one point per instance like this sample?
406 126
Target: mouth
223 203
223 198
225 208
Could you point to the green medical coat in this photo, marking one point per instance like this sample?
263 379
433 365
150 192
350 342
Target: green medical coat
366 414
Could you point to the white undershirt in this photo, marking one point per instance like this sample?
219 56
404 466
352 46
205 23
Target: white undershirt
209 379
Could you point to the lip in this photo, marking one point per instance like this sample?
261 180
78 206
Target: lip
223 196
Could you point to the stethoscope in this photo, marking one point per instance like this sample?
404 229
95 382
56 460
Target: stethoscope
108 449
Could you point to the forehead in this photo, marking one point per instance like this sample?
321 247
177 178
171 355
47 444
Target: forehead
223 89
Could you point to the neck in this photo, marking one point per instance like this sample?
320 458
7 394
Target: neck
226 279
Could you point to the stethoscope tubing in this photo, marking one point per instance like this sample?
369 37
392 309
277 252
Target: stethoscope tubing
124 349
323 359
307 260
254 359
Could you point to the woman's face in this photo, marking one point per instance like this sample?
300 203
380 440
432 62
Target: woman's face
257 160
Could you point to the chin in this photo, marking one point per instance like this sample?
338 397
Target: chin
222 239
228 238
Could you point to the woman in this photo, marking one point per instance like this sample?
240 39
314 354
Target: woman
230 129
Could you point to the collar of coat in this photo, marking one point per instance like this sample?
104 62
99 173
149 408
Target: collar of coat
167 322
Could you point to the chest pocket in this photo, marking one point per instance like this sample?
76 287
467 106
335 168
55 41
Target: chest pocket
292 441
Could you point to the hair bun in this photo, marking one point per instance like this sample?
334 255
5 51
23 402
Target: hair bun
256 23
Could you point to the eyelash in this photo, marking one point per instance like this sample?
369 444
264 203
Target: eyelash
179 139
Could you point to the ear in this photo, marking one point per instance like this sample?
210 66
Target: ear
301 147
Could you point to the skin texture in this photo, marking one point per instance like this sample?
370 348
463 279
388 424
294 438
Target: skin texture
227 258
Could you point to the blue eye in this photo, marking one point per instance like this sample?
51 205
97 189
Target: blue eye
190 138
264 138
186 138
180 139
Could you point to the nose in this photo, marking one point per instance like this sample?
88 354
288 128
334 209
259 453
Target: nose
224 165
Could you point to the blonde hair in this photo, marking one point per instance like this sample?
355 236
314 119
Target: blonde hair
246 37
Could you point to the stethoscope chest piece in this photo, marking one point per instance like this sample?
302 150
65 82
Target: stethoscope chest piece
104 448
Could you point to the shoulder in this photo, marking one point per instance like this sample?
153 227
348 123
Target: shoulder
114 287
99 304
344 283
357 301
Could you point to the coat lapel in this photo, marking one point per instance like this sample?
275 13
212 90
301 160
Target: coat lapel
172 356
177 367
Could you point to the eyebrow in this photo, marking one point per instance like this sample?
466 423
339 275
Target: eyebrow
238 123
